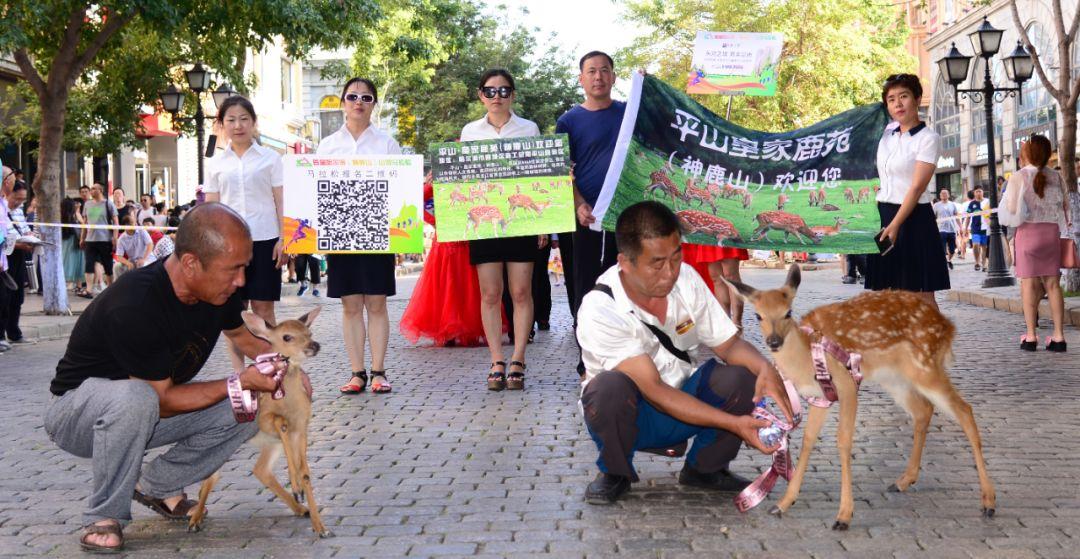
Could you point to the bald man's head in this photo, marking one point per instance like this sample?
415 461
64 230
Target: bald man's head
208 230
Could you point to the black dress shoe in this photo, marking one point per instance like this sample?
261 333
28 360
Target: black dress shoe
1028 345
847 280
543 326
1057 347
722 480
606 489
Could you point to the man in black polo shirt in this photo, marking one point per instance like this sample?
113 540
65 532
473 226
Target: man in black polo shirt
123 386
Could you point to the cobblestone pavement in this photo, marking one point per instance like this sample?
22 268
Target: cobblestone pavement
442 467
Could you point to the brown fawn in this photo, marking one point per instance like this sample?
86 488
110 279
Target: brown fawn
906 346
283 424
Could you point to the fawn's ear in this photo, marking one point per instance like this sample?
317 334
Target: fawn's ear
794 278
745 291
256 325
309 317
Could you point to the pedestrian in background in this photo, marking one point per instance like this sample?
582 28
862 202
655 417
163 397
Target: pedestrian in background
98 241
1037 205
13 297
74 263
977 227
134 248
945 213
906 159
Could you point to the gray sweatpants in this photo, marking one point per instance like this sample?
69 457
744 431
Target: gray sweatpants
114 422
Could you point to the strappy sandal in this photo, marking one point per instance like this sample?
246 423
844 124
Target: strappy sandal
99 529
515 380
496 380
355 388
379 385
179 512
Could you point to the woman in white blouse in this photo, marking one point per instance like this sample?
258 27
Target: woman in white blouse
1035 201
362 281
906 159
248 178
515 255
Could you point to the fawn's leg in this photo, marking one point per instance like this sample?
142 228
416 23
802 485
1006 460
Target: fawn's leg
921 411
947 398
197 515
264 472
814 421
317 525
291 459
845 433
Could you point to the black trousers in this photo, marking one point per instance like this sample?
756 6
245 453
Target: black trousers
302 264
594 252
566 252
11 300
621 421
856 265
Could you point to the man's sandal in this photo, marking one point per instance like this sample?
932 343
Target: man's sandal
379 385
353 387
179 512
102 529
515 380
496 380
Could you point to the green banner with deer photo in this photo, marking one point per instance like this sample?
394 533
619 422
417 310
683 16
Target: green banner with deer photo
510 187
808 190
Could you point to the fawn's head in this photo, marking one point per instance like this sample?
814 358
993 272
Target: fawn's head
290 338
773 307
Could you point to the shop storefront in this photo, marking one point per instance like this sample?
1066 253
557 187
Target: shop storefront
947 175
1046 129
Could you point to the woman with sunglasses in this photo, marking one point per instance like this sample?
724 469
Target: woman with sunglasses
362 281
515 255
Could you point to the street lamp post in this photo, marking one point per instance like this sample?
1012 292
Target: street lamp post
986 41
172 99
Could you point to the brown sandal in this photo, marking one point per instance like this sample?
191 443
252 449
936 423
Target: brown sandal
353 387
179 512
496 380
97 529
515 380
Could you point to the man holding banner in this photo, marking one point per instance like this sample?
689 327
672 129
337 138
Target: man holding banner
593 128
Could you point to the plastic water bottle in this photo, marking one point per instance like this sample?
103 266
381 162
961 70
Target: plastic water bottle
772 435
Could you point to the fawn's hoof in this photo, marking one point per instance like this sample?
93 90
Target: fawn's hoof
194 528
840 526
326 533
776 511
895 488
988 512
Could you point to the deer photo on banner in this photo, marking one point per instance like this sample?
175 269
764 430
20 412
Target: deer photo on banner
808 190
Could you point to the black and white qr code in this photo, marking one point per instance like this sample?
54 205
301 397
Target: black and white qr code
353 215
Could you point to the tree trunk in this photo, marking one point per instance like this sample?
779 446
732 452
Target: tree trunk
47 189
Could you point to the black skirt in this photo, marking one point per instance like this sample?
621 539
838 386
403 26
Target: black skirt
262 277
508 249
916 262
360 274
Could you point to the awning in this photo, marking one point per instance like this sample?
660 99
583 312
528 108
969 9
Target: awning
151 127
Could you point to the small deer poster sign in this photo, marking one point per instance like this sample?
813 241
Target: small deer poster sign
509 187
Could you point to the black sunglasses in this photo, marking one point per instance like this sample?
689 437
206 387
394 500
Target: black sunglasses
505 92
6 176
362 97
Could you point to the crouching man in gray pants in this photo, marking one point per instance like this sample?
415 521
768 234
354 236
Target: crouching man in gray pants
123 386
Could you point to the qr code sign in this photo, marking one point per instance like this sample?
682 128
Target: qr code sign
353 215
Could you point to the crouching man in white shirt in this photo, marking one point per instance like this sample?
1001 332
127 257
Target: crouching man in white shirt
642 390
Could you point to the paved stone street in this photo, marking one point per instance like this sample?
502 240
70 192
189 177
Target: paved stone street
442 467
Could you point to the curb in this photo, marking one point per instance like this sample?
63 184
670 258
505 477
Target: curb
1013 304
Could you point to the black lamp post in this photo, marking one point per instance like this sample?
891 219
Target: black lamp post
198 80
986 40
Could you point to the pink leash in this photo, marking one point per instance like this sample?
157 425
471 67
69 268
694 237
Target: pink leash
245 404
783 464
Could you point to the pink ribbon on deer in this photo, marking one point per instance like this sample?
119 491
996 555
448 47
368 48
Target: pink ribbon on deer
782 465
818 350
245 404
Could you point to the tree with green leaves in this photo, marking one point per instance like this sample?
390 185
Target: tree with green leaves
427 62
90 66
1064 87
836 53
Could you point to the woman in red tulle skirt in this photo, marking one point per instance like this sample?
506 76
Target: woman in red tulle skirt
714 263
445 305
